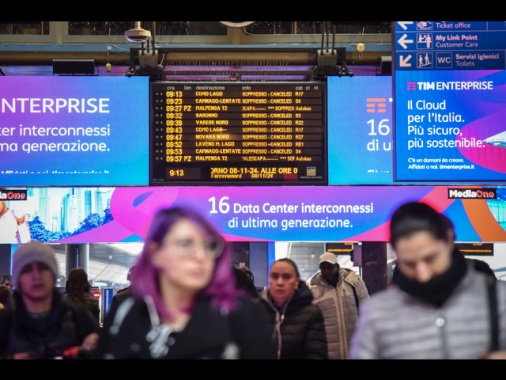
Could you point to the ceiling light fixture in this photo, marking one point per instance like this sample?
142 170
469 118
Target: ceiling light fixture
237 24
137 34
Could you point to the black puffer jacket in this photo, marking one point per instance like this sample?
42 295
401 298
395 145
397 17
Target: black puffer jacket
298 329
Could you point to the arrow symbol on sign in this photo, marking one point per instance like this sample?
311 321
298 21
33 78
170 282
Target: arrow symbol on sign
404 61
403 41
404 24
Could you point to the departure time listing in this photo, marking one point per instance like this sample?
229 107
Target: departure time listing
238 133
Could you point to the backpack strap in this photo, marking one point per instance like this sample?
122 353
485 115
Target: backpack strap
352 284
121 312
159 333
494 321
356 297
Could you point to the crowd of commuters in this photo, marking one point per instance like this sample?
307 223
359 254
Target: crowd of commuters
186 300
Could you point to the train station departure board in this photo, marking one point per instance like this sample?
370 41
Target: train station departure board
238 133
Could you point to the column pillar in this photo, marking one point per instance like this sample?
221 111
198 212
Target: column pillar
76 255
374 265
84 256
71 257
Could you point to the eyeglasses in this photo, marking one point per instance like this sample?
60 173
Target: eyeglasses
187 247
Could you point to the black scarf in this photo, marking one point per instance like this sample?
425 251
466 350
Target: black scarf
439 288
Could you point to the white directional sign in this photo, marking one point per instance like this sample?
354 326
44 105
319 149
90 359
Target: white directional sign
449 45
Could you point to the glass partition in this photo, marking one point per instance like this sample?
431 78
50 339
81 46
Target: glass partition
17 27
193 28
179 28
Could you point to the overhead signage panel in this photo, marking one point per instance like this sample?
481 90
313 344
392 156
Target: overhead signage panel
450 45
449 101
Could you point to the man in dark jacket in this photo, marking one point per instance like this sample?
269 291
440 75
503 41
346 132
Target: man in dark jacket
243 281
121 294
39 323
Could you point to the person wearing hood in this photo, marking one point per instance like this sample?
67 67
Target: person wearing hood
338 292
298 329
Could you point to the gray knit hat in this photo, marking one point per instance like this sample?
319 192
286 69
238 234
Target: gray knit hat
33 252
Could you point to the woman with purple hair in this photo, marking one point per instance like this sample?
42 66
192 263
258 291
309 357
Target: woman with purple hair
184 303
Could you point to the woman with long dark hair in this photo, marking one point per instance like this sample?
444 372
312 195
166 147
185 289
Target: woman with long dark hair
78 290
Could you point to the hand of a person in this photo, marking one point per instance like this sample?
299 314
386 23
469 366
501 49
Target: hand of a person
90 342
496 355
22 356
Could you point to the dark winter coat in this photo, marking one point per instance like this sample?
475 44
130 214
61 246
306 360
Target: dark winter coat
119 297
298 329
209 334
91 304
67 326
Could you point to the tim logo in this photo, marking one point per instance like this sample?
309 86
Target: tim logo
411 86
376 105
12 195
472 193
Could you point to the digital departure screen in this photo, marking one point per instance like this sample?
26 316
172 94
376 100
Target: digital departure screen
477 249
238 133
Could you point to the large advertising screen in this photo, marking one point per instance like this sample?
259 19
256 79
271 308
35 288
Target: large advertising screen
360 148
74 131
361 141
274 213
450 98
450 126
